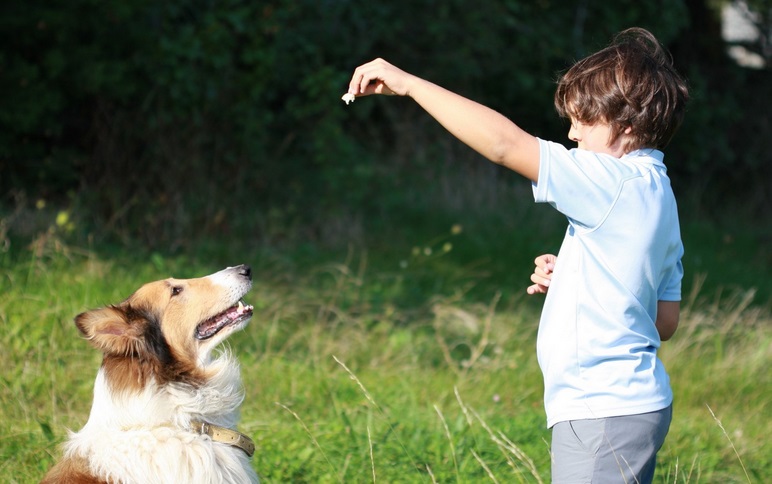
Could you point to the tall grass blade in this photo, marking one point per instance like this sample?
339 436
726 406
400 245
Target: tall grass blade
450 441
431 474
359 383
311 435
506 446
372 458
484 466
370 399
721 426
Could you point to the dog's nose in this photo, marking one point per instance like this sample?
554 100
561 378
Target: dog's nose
246 271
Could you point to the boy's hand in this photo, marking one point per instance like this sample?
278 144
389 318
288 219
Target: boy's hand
542 274
379 77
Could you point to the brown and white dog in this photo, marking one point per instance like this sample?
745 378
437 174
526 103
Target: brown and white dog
164 408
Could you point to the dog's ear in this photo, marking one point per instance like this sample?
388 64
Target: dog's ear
111 329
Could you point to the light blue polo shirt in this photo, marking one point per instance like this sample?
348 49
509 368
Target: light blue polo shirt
597 342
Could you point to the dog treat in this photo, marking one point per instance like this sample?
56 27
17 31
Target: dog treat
348 98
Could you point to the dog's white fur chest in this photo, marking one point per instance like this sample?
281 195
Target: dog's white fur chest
146 436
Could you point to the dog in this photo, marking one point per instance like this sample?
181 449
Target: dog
164 407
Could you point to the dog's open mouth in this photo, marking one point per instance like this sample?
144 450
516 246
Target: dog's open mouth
229 317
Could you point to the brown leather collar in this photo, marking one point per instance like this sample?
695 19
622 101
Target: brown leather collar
225 436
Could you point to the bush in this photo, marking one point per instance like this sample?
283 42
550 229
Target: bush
160 122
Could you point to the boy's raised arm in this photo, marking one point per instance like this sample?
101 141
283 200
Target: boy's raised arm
486 131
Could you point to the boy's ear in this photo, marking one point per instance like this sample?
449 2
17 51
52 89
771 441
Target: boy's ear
109 329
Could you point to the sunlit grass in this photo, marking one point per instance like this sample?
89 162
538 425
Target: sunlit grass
360 369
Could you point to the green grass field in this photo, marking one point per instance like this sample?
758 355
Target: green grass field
403 362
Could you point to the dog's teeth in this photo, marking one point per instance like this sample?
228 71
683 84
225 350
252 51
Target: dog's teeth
241 307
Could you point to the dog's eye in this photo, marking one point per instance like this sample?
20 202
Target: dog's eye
176 290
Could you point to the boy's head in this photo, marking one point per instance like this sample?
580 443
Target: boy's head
629 84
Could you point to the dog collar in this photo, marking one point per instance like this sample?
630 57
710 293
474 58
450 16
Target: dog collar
224 436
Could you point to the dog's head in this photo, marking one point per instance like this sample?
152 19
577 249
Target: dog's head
167 329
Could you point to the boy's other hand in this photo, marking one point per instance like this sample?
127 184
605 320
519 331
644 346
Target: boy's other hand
542 274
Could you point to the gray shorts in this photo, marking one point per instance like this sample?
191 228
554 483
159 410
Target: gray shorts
609 450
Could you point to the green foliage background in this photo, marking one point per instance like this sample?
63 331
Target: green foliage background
161 122
143 139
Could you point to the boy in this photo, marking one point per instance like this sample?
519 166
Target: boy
615 287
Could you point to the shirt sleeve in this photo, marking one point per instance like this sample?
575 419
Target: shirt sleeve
670 289
580 184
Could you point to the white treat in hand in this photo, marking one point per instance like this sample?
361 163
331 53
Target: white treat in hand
348 98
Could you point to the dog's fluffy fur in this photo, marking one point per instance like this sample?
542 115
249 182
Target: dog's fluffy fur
157 376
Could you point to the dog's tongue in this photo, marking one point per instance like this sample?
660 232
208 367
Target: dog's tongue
211 326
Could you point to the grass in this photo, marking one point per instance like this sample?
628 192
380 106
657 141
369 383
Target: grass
388 363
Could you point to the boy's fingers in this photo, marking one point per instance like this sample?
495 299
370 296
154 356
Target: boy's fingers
540 280
543 274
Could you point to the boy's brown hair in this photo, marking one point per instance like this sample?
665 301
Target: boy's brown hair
631 83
